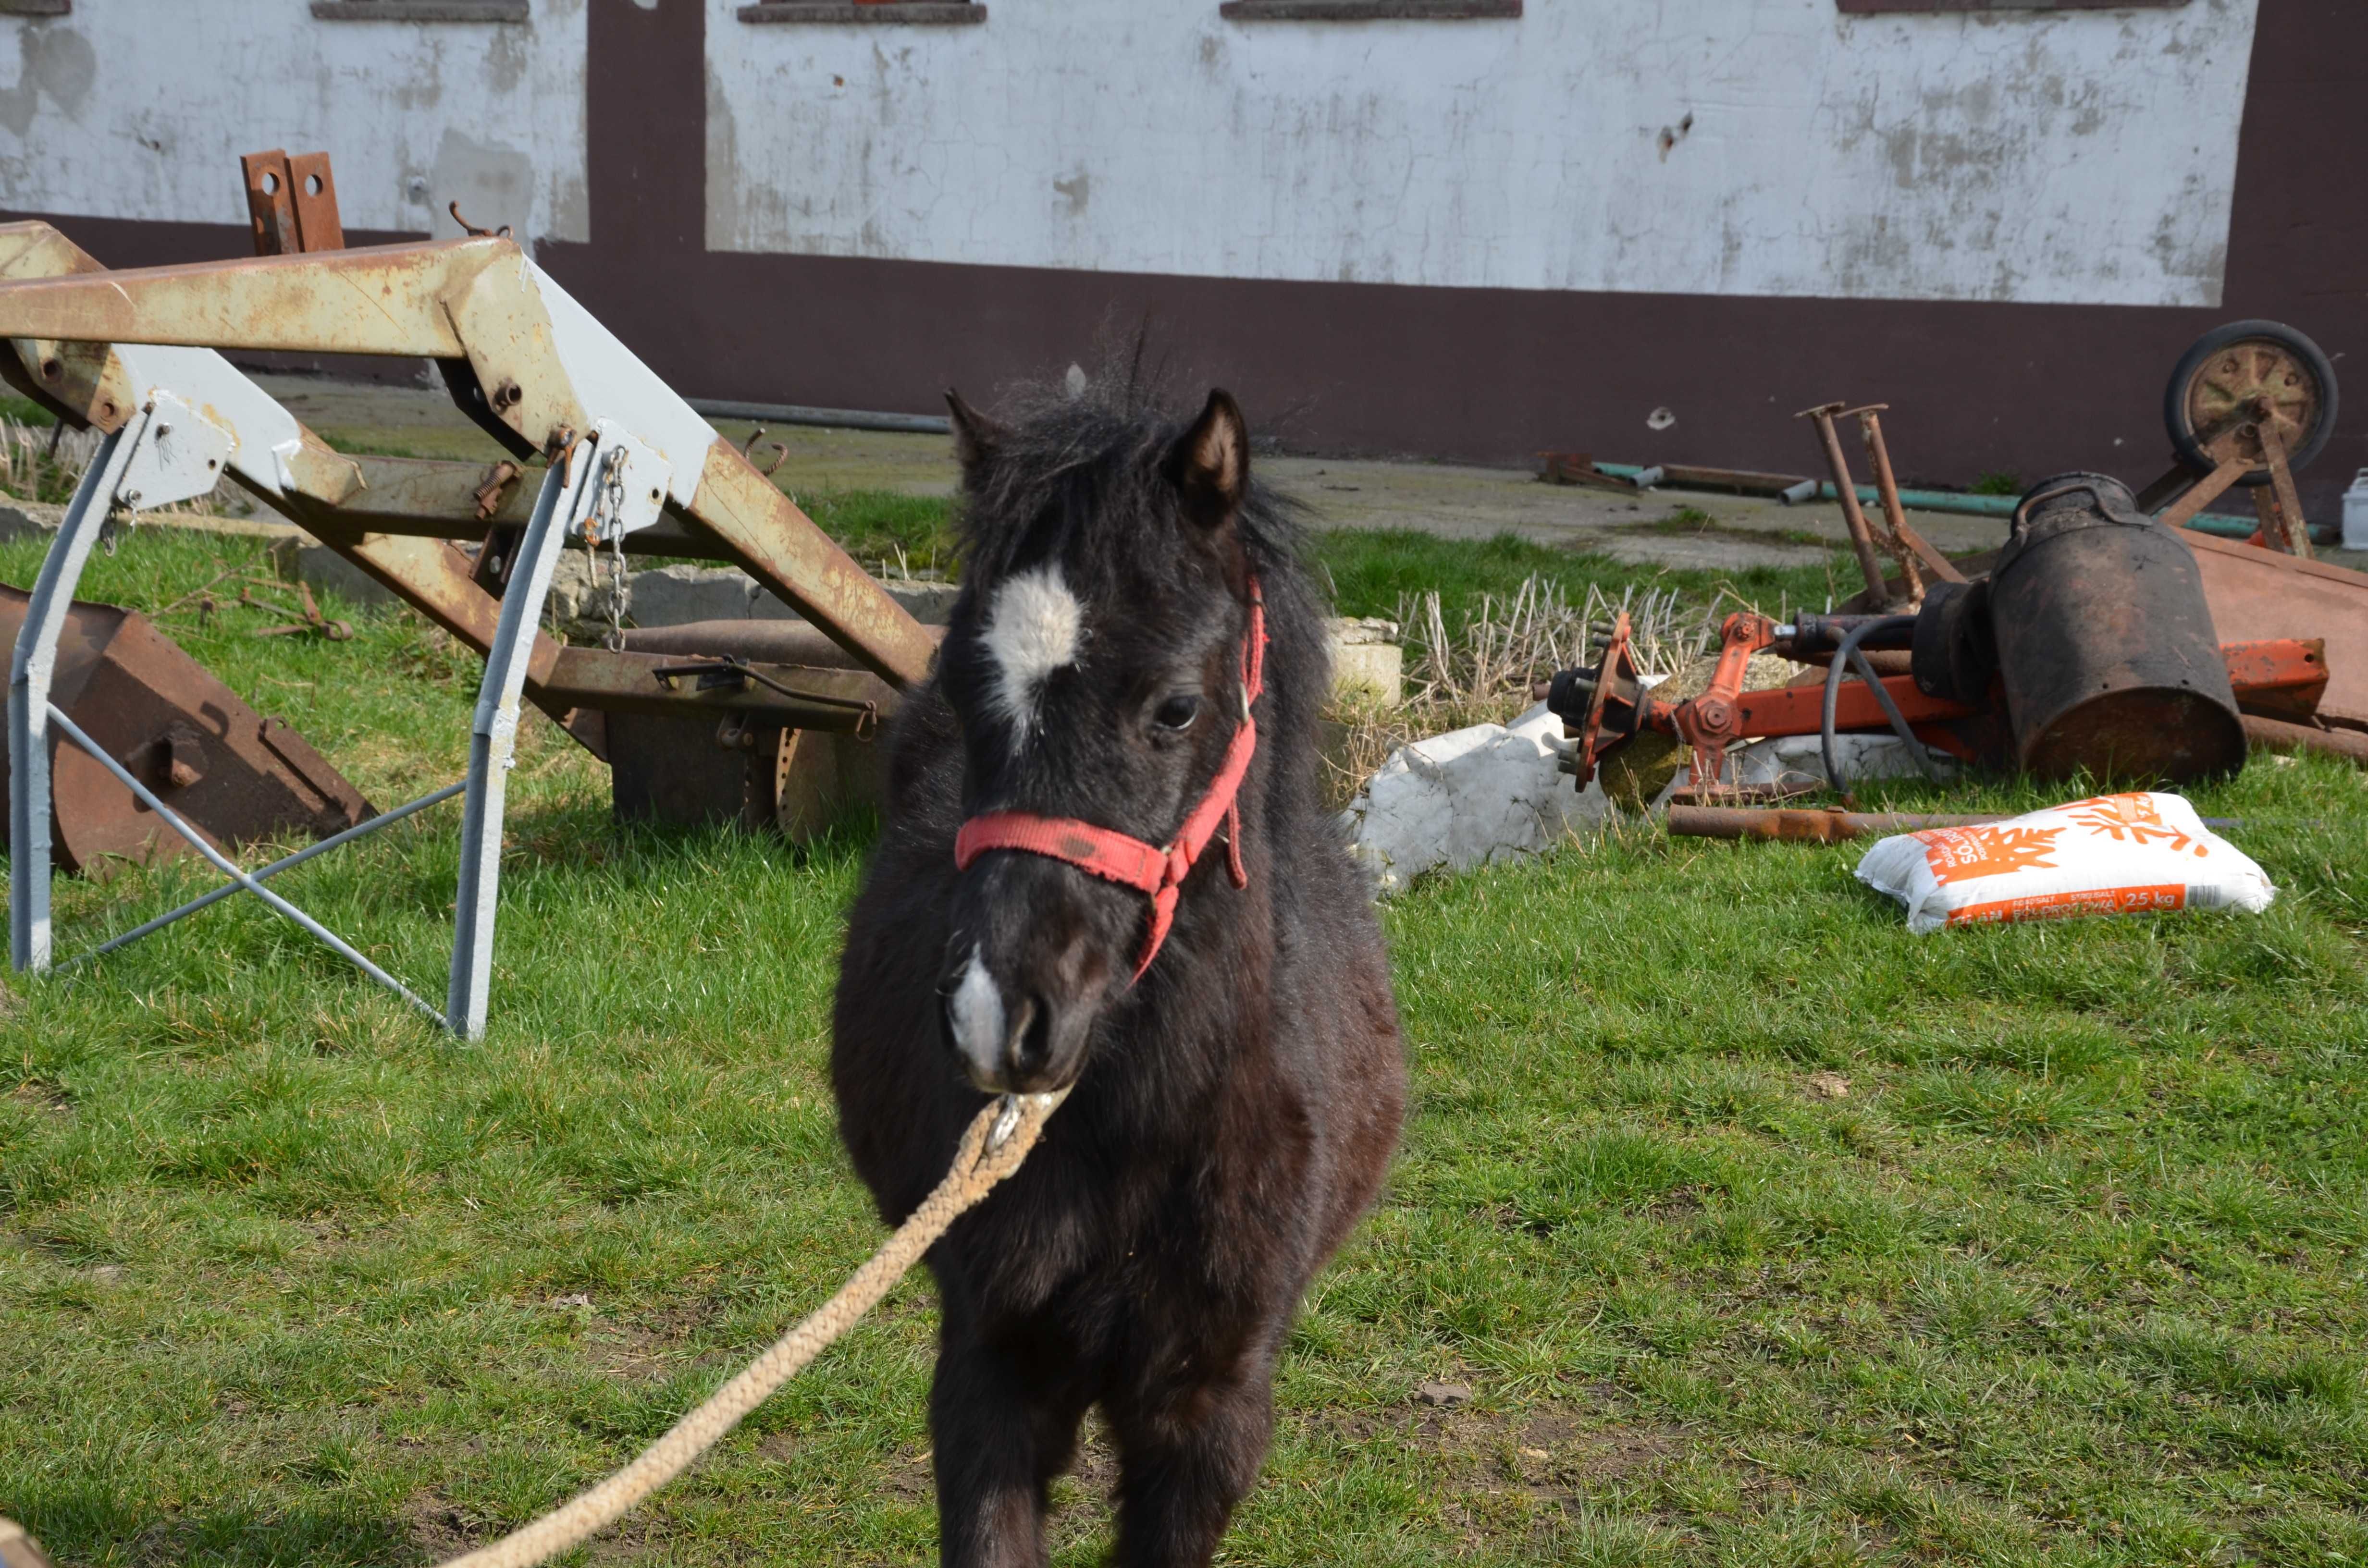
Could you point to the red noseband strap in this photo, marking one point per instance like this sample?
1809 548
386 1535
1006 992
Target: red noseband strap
1158 873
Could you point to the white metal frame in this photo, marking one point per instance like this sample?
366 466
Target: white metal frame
625 448
608 485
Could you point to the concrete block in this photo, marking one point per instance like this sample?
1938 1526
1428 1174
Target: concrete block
307 561
21 519
1366 663
677 595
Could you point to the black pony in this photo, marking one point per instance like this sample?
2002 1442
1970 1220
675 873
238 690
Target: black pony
1235 1108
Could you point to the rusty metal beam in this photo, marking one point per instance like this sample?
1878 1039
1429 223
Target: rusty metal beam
436 498
1845 493
375 300
630 682
1804 826
2202 494
780 546
2276 735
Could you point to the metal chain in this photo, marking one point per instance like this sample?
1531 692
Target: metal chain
608 505
621 592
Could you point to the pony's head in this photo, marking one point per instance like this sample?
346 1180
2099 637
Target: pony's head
1094 665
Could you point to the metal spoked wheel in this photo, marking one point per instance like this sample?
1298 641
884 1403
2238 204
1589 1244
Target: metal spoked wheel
2231 369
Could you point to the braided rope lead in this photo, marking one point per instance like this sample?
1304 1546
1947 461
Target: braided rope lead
991 1148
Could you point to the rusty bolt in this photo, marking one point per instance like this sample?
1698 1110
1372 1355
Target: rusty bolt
507 395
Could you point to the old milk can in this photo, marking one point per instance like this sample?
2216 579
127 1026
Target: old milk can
2105 642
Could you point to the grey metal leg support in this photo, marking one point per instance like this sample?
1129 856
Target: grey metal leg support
30 674
203 901
493 741
223 863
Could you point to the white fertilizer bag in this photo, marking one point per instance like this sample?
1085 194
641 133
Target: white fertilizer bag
2113 855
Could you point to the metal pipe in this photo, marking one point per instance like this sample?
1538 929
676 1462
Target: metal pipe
2349 744
224 864
1886 487
360 830
1861 536
828 418
2221 524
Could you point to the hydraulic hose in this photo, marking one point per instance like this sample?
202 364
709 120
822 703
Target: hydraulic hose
1847 656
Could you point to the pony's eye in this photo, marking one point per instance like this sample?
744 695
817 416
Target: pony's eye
1177 712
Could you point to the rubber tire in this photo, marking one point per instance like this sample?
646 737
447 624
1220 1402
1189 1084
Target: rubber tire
2174 400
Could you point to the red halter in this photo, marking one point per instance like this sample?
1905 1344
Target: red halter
1156 872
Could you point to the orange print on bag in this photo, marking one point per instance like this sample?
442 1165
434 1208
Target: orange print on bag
2130 819
1960 854
2160 899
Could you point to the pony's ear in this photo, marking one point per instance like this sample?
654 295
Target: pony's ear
1211 462
976 437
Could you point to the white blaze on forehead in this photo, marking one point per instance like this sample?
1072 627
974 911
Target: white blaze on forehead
1031 629
976 1011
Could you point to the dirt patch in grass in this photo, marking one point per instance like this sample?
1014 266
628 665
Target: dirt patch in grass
652 1345
433 1525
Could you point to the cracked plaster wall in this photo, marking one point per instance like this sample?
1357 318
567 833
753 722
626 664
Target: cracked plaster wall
142 110
1744 147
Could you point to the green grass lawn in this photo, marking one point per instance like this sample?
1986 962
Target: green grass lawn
1368 572
2071 1271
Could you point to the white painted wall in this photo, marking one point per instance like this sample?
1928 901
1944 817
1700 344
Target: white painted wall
2081 157
140 108
1747 147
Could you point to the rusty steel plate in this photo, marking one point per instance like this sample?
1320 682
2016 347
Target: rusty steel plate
235 774
2258 594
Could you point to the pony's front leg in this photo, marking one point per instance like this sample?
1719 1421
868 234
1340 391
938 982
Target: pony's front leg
1001 1438
1186 1457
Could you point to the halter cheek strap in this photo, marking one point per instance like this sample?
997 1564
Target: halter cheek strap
1155 872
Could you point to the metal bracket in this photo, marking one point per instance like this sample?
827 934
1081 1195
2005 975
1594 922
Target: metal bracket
633 483
178 456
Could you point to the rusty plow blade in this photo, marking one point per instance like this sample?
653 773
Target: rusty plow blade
232 773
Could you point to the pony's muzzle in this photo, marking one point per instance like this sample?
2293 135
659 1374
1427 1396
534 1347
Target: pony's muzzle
1020 1027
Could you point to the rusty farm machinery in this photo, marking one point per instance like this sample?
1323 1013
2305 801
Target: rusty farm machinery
602 454
2087 648
2104 639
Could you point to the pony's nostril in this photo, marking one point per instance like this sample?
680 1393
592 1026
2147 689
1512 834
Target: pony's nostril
1031 1034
